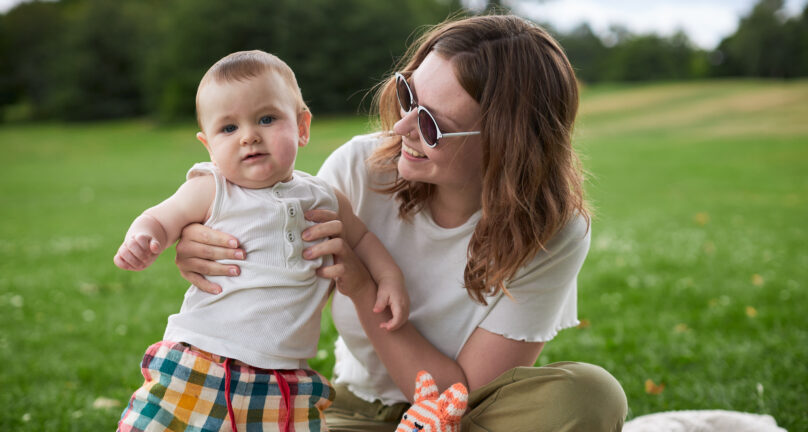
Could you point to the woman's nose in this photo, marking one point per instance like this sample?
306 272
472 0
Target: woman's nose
408 125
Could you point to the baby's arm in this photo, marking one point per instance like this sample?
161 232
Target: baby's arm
391 289
160 226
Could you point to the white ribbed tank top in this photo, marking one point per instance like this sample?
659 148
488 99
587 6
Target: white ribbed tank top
269 316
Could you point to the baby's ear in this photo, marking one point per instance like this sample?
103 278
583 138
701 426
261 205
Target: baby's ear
303 127
204 140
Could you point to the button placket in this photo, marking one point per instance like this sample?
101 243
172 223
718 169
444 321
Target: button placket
292 227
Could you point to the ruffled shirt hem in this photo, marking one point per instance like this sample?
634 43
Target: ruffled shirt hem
546 337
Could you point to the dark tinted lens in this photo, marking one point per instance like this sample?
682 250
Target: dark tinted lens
428 127
403 93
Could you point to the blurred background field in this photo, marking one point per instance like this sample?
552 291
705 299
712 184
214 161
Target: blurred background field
693 293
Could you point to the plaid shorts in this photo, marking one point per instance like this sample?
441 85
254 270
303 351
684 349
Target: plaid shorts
185 391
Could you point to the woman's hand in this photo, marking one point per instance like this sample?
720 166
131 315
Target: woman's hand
197 250
348 272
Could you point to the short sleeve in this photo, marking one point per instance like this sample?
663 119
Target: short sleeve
544 291
345 169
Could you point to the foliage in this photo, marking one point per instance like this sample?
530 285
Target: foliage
96 59
632 57
766 44
30 34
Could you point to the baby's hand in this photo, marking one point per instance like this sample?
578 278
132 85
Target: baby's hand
393 294
137 252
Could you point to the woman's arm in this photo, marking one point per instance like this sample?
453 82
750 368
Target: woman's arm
489 355
405 351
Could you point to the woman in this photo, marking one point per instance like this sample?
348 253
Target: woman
478 196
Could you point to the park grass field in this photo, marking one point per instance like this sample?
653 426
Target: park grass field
693 294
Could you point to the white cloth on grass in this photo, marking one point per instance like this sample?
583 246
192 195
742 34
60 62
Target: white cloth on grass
703 421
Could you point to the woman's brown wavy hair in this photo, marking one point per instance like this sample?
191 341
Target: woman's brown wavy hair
532 178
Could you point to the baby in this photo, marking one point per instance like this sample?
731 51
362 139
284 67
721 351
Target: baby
241 354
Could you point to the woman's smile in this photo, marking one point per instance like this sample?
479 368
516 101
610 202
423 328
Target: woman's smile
409 151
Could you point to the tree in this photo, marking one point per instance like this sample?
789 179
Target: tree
338 50
586 52
99 66
760 45
652 57
29 35
91 59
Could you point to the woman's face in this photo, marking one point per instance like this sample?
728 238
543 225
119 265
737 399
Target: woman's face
456 162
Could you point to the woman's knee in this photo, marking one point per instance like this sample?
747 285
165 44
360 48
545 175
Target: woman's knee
558 397
595 399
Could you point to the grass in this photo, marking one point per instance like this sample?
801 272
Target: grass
696 280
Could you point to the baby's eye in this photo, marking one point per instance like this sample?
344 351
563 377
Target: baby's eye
265 120
229 128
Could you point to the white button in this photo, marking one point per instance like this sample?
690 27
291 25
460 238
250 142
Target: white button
290 236
278 193
292 212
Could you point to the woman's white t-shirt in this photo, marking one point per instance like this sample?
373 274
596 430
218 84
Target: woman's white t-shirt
433 259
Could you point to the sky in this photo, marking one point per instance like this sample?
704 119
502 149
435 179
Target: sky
706 22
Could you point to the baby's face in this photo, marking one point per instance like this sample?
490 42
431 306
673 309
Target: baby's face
252 129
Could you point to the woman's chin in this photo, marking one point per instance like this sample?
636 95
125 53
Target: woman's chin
407 171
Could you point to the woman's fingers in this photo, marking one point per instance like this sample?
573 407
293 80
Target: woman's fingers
188 248
323 230
200 282
331 272
205 235
327 225
320 215
206 267
334 246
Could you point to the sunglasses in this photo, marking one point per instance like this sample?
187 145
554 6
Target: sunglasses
427 126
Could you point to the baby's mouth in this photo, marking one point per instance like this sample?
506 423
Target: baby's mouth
412 152
252 156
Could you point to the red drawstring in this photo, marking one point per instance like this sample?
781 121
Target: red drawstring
282 384
227 394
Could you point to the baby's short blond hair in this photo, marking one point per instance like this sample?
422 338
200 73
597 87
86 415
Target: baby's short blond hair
243 65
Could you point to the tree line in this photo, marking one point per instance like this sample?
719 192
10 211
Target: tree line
767 44
96 59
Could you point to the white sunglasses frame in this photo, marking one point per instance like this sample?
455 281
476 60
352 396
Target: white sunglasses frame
413 104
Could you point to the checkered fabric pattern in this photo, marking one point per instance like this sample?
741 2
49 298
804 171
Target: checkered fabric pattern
185 391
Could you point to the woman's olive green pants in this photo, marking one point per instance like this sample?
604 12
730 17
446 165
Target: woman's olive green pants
563 396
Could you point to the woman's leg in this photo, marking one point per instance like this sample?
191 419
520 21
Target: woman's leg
349 413
565 396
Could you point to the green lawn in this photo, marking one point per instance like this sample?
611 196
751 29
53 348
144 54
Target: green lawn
696 280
